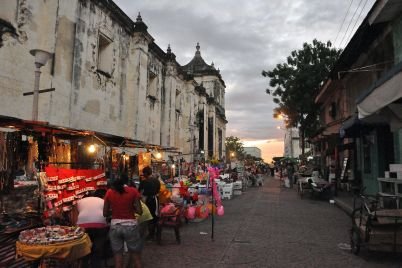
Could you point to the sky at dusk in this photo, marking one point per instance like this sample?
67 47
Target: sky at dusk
243 38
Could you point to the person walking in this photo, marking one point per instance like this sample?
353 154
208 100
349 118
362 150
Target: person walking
290 171
272 169
149 188
123 202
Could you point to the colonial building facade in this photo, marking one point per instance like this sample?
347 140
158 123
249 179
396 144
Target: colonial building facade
108 75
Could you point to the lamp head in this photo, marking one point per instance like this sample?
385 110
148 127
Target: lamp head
91 148
41 56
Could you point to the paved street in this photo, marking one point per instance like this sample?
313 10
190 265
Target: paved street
266 227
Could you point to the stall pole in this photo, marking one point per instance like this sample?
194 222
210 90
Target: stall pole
178 167
213 201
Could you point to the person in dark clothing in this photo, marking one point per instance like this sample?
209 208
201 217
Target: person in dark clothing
272 169
290 171
149 188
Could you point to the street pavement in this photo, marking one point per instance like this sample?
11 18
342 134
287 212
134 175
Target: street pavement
267 226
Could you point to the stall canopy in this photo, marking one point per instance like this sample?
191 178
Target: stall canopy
385 91
28 126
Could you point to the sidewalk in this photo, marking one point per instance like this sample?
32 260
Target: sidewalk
343 200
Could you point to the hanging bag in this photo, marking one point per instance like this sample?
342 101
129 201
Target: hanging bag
146 214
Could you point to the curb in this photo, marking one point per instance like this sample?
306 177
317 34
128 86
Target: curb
344 206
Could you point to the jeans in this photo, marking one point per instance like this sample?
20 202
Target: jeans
130 234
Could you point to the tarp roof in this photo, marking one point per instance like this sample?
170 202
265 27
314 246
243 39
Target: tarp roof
27 126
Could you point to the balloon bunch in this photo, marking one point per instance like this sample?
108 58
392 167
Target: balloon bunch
164 194
214 174
201 177
183 190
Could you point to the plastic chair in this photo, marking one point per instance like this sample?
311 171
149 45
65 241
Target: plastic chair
171 220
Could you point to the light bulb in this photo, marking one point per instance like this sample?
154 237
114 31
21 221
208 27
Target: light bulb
158 155
91 148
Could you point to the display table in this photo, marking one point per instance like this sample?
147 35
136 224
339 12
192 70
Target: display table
66 251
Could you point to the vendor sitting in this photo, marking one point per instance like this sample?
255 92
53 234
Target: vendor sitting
320 186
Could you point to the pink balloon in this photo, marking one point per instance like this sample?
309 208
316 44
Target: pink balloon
204 212
190 213
220 211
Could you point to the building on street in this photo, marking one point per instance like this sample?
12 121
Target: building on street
105 72
361 104
253 151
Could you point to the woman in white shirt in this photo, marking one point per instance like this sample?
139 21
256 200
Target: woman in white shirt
90 217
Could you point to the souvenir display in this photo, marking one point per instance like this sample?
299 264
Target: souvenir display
50 234
62 186
8 159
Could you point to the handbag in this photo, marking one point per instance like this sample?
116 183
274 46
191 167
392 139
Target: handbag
146 214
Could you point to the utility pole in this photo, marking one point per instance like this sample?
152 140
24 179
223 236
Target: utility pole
291 142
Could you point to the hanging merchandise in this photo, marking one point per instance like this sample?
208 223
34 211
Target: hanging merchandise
214 174
164 194
211 208
64 186
144 159
202 211
9 146
220 211
190 213
60 151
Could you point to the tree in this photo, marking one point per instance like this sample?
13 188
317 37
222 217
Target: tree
296 83
234 145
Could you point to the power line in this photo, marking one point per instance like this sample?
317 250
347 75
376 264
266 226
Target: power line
350 22
343 21
354 26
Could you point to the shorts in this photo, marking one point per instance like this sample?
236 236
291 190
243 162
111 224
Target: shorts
130 234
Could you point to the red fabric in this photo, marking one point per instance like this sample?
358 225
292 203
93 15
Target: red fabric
51 171
82 173
122 204
83 185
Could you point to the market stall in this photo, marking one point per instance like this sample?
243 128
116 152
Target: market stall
31 153
42 175
44 171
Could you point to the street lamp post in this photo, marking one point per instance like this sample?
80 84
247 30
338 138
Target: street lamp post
41 57
202 153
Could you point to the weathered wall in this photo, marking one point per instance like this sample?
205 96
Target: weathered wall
168 113
98 98
35 23
136 93
215 90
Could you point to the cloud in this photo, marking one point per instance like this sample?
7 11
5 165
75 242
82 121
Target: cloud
243 38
